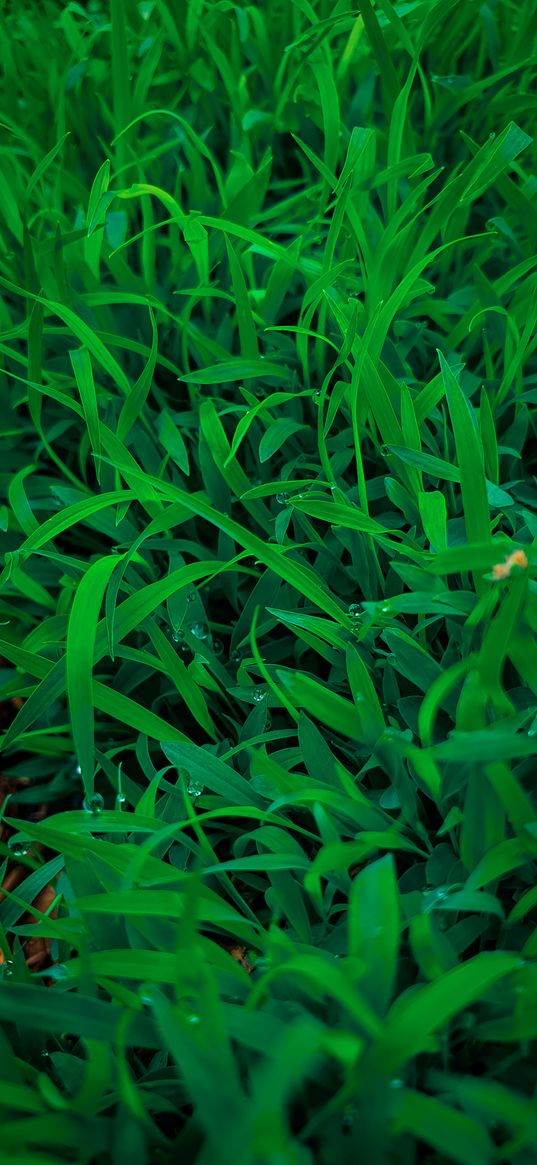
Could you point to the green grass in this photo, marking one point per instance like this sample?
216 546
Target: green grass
268 385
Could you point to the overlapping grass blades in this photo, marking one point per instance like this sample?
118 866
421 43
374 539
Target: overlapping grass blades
268 597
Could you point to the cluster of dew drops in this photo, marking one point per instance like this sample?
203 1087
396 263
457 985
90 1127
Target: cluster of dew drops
95 802
199 630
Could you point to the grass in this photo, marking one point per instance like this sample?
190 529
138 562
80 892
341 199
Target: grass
268 601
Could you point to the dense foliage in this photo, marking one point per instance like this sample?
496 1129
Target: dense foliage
268 383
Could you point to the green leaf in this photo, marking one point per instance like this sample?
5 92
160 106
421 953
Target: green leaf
318 701
476 557
170 437
502 859
79 652
276 436
27 891
454 1134
19 502
98 202
492 159
43 1010
527 902
433 514
133 406
374 921
491 1102
81 330
434 466
211 772
245 319
470 461
169 904
233 370
81 361
417 1014
44 164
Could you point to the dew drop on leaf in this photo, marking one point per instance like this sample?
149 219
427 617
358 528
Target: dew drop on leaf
347 1120
199 630
18 848
93 804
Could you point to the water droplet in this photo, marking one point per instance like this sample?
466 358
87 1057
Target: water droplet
218 647
6 969
93 804
120 800
184 649
355 611
44 1052
347 1120
316 396
193 1019
199 630
386 608
78 771
283 497
178 636
258 695
195 788
192 596
18 848
235 656
146 998
397 1083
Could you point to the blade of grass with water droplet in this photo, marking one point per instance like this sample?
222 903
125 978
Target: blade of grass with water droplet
79 649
